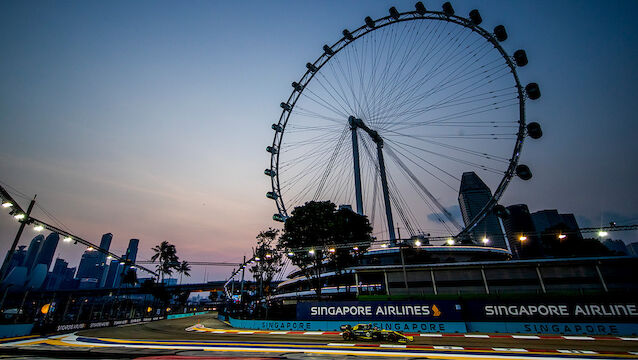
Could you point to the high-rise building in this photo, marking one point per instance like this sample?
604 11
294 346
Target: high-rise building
88 268
19 255
93 263
129 257
131 251
519 225
616 245
32 252
473 196
550 219
56 276
47 250
111 274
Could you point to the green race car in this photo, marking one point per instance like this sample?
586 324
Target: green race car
368 332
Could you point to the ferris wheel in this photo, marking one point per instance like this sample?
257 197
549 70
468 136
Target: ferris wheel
391 115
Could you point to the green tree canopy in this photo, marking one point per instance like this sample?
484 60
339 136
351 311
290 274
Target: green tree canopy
270 258
317 231
167 256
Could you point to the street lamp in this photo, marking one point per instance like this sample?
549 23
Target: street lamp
602 233
562 236
522 238
485 240
450 241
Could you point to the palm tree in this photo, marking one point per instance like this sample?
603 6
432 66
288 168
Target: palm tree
183 269
167 256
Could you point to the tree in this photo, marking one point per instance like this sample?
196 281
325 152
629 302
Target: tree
183 269
129 277
317 231
268 259
167 256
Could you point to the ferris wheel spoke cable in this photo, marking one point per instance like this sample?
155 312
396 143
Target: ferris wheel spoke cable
303 113
426 109
342 92
388 99
380 88
451 98
424 139
400 205
328 168
425 169
468 77
423 188
322 102
449 157
456 115
343 104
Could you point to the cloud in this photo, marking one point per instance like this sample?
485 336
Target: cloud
455 210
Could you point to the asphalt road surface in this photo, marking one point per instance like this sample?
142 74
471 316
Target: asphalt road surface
175 330
168 339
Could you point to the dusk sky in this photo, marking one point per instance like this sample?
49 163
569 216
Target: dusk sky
150 119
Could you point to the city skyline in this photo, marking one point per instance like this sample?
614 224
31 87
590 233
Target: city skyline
142 129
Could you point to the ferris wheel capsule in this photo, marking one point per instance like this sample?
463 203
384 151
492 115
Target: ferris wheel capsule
394 13
328 50
278 217
534 130
476 18
347 34
448 9
500 33
501 211
420 8
523 172
369 22
270 172
520 57
311 67
277 127
532 91
285 106
297 86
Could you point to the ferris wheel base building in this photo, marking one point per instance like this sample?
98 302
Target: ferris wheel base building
568 296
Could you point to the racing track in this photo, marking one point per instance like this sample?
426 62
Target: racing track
171 334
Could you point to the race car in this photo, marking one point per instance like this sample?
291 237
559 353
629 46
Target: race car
368 332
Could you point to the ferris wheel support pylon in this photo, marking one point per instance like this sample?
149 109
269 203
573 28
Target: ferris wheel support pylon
358 123
357 165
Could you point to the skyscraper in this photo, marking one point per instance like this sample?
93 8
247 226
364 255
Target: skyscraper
93 263
131 251
520 223
111 274
88 268
47 250
32 252
546 219
130 256
473 196
18 257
